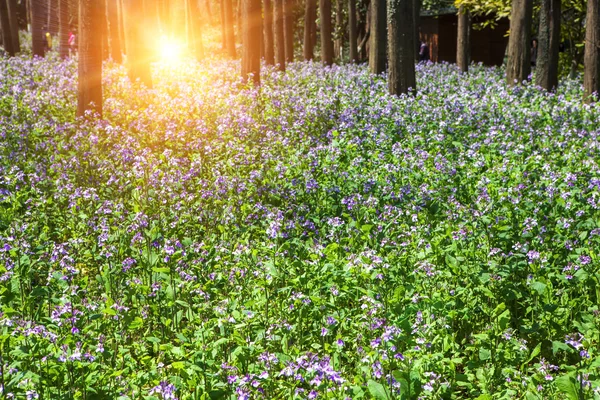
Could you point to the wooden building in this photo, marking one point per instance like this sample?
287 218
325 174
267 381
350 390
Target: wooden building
488 45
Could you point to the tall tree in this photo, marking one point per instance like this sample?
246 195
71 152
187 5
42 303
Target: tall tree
63 28
378 47
113 29
310 15
14 24
278 32
229 28
338 43
591 60
223 27
546 74
22 14
518 65
37 17
401 47
352 33
268 33
326 32
251 39
138 48
288 27
195 28
89 91
463 45
416 26
7 36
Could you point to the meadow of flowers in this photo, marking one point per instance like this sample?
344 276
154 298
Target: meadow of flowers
314 239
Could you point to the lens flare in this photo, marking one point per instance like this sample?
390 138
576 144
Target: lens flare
170 50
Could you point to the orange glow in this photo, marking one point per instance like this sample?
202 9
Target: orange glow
170 50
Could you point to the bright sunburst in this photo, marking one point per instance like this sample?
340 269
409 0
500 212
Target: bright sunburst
170 50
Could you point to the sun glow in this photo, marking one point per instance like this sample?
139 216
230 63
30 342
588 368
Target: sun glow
170 50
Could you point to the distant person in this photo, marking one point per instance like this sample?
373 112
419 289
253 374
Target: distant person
423 52
47 40
534 50
72 47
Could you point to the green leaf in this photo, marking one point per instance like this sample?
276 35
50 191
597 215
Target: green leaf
539 287
558 346
377 390
484 354
484 397
135 324
565 384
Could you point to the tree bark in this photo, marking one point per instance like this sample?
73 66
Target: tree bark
138 48
338 43
591 60
121 25
7 36
89 93
352 33
401 49
326 32
518 66
22 14
14 24
288 26
463 45
196 30
38 38
113 28
229 29
278 32
310 15
223 28
251 39
63 28
268 33
546 74
416 26
378 47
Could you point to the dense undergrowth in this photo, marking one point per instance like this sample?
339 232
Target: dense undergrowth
315 238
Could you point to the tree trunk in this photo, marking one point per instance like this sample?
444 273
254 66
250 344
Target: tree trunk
519 43
251 39
591 61
378 48
196 30
288 27
208 12
338 43
14 24
278 32
121 24
38 37
546 74
113 27
463 45
138 48
7 35
89 93
352 33
326 32
105 44
401 73
310 15
416 26
22 15
223 28
268 33
63 28
229 29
